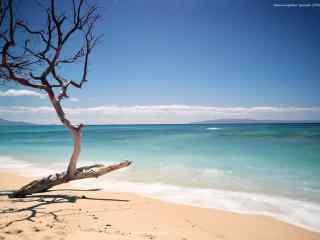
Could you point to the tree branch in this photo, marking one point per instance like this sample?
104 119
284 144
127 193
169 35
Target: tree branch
33 61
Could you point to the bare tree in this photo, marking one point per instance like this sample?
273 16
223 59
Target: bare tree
33 58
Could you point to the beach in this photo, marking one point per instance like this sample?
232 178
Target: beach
253 169
70 213
190 120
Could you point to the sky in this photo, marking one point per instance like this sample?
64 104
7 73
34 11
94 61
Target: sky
177 61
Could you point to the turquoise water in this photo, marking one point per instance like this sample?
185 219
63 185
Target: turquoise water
272 169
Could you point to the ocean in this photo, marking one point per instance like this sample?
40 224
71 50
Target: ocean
268 169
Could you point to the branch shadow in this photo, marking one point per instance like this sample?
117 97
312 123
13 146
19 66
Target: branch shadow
6 192
75 190
40 202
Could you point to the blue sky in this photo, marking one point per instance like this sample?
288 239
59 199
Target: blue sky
186 60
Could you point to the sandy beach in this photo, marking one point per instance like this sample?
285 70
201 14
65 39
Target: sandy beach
163 120
68 213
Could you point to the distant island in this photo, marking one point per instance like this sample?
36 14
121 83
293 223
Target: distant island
247 120
4 122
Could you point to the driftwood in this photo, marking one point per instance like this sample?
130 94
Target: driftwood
34 59
43 184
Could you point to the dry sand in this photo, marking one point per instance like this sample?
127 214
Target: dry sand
77 214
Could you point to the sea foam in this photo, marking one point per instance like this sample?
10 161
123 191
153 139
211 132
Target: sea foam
213 128
300 213
25 168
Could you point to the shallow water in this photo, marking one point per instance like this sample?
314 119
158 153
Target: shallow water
271 169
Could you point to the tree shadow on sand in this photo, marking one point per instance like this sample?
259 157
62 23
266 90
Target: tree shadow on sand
41 201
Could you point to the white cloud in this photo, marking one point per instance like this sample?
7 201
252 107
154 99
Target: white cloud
17 109
73 99
160 113
29 93
20 93
185 109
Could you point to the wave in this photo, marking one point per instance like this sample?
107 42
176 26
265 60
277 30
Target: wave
32 169
213 128
301 213
25 168
7 162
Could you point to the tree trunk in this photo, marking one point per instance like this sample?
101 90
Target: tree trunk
72 173
76 134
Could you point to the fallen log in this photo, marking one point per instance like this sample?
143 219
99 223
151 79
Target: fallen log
45 183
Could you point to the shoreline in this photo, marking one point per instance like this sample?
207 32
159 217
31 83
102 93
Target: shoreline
300 213
77 214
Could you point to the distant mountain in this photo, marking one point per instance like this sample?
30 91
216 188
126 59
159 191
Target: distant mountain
242 120
4 122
